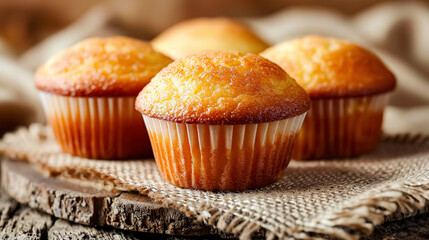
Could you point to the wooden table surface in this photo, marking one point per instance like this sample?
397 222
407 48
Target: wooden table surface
18 221
21 222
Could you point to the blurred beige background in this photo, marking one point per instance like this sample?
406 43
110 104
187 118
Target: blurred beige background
398 31
25 22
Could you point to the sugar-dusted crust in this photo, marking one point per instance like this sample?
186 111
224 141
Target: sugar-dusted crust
327 67
116 66
203 34
222 88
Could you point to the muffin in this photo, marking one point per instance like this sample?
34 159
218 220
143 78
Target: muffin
88 93
348 87
222 120
204 34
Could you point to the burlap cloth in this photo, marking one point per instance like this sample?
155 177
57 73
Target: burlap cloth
315 199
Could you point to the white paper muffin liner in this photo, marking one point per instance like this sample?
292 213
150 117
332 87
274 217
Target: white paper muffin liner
97 127
342 127
222 157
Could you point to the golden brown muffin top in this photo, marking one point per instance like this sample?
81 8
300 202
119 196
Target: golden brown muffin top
204 34
328 67
115 66
222 88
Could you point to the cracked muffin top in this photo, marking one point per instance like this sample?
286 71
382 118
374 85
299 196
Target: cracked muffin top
115 66
328 67
222 88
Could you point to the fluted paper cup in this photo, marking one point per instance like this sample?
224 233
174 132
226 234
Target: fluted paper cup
97 127
339 128
222 157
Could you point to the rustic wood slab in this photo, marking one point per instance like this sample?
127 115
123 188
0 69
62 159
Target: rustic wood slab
95 206
21 222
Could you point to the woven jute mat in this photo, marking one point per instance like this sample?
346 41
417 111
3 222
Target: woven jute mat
314 199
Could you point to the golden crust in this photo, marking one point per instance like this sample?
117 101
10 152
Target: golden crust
116 66
327 67
222 88
204 34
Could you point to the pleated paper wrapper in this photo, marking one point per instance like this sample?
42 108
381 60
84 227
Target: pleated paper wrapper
97 127
341 127
223 157
342 199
